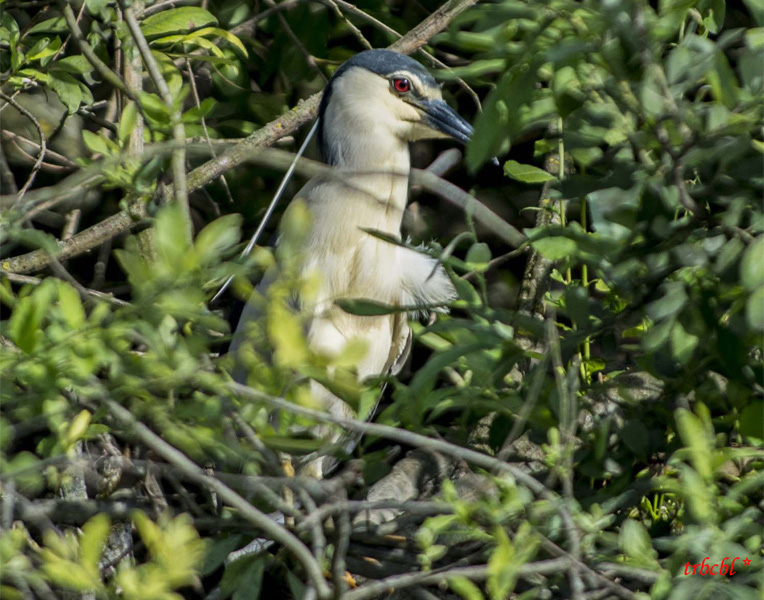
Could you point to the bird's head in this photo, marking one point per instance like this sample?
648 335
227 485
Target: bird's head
383 93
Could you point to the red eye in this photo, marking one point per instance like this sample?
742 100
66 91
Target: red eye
401 85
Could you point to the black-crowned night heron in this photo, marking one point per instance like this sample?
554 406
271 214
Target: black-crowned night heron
374 105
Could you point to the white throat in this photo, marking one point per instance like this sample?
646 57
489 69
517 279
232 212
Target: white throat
360 136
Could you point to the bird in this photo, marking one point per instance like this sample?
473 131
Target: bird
373 107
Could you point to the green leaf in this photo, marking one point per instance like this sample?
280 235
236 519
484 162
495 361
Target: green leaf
251 582
636 544
695 438
70 305
24 326
752 421
78 427
9 29
54 25
683 343
127 122
176 20
217 553
526 173
94 535
171 243
502 567
99 144
71 92
478 256
754 310
96 6
155 108
71 575
543 147
76 65
715 17
44 48
286 334
636 436
752 265
195 113
555 247
226 35
465 588
567 91
217 238
723 82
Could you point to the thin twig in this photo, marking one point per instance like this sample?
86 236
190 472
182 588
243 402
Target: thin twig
41 152
357 32
180 187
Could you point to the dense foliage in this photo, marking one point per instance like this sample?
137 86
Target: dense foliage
586 422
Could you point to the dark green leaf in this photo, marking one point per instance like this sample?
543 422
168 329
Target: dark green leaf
177 20
526 173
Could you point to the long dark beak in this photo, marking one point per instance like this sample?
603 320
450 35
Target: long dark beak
441 117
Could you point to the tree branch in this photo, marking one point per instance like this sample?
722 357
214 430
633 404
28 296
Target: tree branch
285 125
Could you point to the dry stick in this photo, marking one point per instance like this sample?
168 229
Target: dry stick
341 545
285 125
180 192
195 473
436 61
132 69
412 507
82 184
41 153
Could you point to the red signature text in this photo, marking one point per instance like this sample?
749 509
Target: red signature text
706 568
